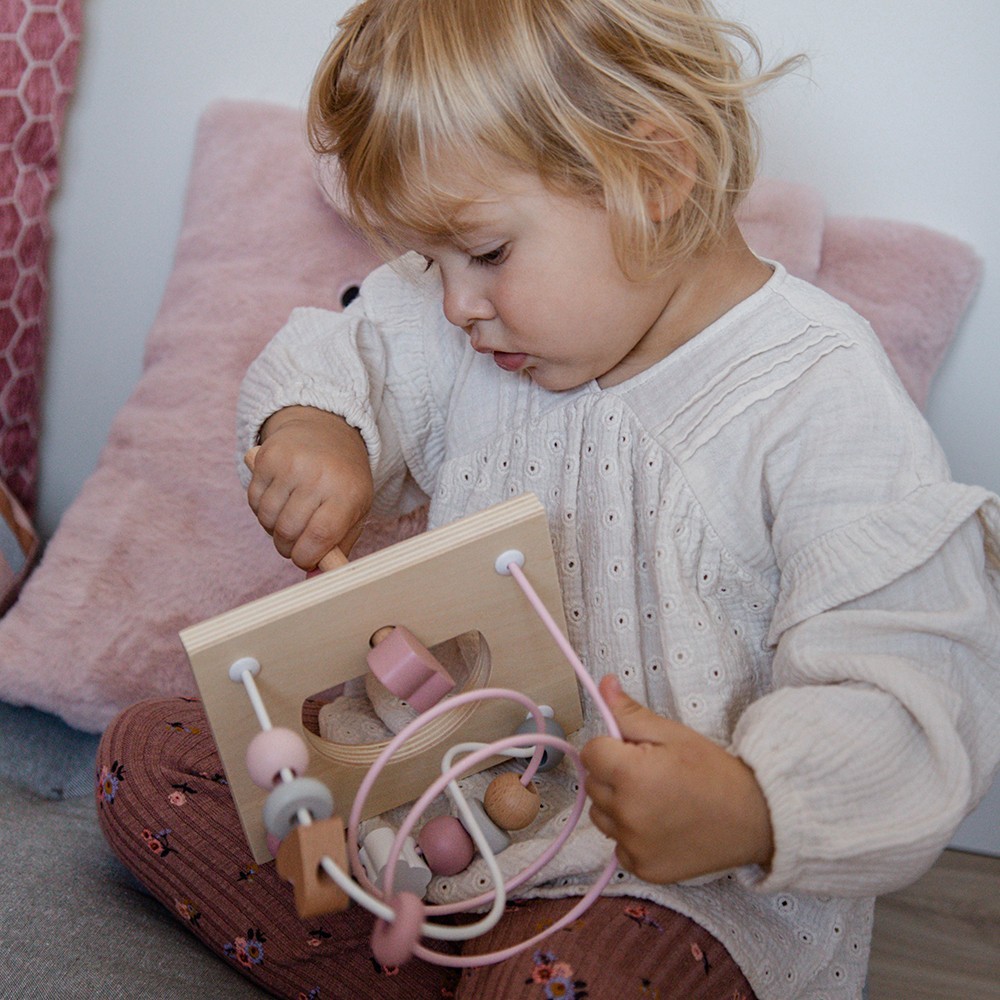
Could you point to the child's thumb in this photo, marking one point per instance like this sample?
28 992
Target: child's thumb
636 722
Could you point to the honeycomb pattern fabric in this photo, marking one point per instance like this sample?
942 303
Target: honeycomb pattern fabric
39 45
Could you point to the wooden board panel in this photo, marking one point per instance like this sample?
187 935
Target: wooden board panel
315 634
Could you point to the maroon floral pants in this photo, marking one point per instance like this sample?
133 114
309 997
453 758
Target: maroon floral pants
166 811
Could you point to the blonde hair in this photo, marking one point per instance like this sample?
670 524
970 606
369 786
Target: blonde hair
630 103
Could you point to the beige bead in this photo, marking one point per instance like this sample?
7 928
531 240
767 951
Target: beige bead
511 805
299 862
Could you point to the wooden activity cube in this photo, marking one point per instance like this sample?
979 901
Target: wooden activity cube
315 635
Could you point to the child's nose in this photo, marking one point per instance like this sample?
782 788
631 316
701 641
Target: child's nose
464 303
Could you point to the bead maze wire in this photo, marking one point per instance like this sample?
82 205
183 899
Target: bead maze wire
400 916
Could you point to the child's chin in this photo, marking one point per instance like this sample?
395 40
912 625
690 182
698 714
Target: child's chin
551 380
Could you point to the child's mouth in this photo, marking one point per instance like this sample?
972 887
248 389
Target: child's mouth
509 362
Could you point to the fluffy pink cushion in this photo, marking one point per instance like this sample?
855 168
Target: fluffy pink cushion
161 536
39 42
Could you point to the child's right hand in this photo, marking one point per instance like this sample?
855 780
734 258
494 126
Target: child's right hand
311 485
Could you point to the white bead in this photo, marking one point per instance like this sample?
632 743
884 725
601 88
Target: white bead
497 840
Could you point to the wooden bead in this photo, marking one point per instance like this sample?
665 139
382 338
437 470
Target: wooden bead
281 807
510 804
299 859
273 750
409 670
446 845
551 756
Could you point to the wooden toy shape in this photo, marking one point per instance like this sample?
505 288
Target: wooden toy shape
299 856
511 805
411 873
409 670
497 838
315 634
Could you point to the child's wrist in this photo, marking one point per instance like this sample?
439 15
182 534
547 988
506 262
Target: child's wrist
757 822
300 415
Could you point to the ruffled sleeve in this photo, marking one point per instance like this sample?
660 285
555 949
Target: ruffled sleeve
877 732
869 553
880 733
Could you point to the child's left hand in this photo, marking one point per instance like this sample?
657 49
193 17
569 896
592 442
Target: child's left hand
677 804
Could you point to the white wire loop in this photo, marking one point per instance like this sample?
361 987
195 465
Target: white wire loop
295 800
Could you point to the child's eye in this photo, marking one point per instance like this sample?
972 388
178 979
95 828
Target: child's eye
492 257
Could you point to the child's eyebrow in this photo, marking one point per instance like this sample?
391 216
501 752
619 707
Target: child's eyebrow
461 234
462 227
473 216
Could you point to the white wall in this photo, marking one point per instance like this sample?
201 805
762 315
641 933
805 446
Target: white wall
896 116
146 71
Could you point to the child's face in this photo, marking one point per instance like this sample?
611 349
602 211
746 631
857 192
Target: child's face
533 280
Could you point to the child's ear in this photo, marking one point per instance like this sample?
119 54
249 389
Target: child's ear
668 195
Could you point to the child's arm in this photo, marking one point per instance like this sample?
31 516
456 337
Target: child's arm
853 773
677 804
880 734
311 484
316 475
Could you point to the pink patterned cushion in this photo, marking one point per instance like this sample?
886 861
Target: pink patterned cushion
39 42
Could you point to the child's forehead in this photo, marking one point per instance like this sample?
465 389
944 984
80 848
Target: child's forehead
450 204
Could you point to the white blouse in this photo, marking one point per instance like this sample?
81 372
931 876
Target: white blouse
760 537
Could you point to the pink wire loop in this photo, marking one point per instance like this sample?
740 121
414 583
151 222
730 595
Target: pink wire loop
471 760
567 650
413 727
541 739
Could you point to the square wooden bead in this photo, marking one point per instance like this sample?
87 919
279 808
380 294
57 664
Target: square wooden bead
299 856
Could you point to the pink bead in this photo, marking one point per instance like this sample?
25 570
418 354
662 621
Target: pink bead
392 944
273 750
446 845
409 670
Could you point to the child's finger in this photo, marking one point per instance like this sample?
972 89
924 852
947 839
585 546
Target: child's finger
599 757
290 525
636 722
603 821
315 545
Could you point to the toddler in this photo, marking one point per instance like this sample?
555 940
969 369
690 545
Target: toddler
793 609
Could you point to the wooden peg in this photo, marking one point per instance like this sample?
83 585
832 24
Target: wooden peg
334 559
299 856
